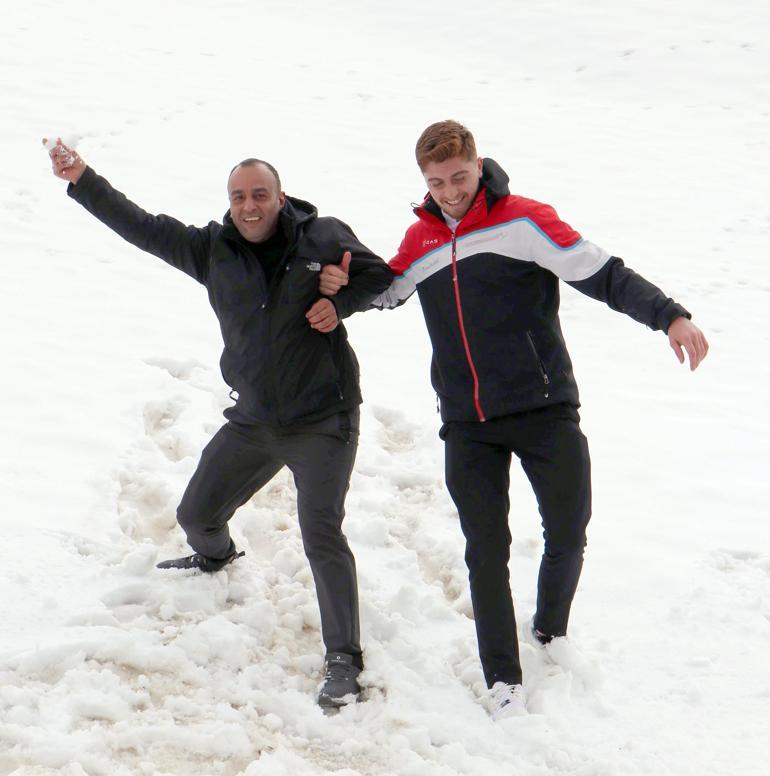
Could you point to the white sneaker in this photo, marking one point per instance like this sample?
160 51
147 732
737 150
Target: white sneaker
534 638
507 701
561 651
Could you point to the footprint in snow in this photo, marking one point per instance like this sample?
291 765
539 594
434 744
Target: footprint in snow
186 370
160 419
397 434
740 560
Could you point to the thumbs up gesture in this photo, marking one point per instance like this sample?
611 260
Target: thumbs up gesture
334 276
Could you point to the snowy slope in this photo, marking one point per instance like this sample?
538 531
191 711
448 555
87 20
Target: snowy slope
646 124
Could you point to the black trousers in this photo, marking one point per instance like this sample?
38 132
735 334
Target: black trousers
240 459
554 455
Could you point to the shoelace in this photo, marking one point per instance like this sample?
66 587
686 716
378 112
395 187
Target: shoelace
506 694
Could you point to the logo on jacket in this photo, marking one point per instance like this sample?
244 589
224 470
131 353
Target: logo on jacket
433 241
314 266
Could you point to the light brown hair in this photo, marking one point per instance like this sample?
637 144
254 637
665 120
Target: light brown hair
445 140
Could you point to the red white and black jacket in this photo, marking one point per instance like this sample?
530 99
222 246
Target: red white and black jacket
490 296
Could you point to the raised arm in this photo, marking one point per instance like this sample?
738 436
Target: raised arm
184 247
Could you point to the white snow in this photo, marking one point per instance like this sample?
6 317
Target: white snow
646 125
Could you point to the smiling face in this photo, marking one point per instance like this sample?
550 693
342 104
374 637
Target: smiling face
453 183
255 201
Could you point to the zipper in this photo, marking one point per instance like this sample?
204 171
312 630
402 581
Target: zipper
471 365
273 292
540 365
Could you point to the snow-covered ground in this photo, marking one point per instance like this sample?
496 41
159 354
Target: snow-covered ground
647 124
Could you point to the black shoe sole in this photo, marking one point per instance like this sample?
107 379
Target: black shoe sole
206 565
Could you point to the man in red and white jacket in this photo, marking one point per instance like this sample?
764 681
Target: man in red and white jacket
486 265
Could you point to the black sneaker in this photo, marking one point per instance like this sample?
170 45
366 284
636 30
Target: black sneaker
198 561
340 685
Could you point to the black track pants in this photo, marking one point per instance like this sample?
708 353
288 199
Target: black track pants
240 459
554 455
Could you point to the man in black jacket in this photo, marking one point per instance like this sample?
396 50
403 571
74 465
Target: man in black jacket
293 375
486 265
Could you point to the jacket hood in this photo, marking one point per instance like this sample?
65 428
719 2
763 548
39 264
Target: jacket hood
294 214
495 179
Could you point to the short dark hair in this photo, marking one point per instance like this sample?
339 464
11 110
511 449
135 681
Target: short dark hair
253 162
445 140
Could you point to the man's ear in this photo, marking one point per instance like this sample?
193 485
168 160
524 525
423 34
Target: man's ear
282 199
480 165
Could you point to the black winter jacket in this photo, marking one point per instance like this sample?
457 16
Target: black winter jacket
281 371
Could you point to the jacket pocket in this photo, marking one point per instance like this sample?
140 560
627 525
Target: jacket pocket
349 425
540 365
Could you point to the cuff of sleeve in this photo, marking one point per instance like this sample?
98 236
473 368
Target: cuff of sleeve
88 176
670 314
338 300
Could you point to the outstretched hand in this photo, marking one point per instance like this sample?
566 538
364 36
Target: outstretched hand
683 335
335 276
322 316
66 162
